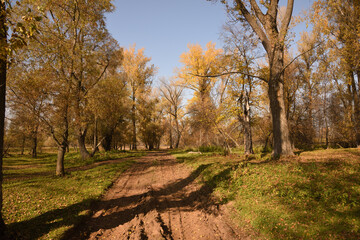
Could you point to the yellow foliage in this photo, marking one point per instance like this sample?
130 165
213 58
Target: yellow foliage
199 65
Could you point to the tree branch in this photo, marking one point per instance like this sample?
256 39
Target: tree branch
98 79
286 20
317 45
254 25
259 14
230 73
273 8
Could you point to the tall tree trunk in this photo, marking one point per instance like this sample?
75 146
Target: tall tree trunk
247 126
266 142
356 108
158 144
81 133
107 141
310 118
357 114
178 139
133 119
3 65
63 144
281 138
34 144
170 132
326 134
82 147
273 37
23 145
60 170
201 138
178 132
95 146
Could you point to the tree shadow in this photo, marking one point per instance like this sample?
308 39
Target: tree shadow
20 176
167 198
76 214
327 198
39 226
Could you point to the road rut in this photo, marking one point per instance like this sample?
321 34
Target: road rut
158 198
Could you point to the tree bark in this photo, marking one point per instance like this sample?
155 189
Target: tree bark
82 148
3 65
23 144
170 132
107 141
247 127
95 147
133 119
151 146
178 132
34 145
63 144
60 170
326 134
34 141
357 113
273 40
356 109
281 138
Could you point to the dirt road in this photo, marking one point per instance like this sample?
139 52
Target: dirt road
158 198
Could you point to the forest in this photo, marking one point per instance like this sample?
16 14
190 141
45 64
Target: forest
260 119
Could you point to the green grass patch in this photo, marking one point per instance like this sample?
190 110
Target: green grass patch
39 205
314 196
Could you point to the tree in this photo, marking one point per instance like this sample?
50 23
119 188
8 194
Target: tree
272 36
3 65
150 120
28 95
44 59
90 48
138 73
109 105
241 45
338 21
172 93
302 90
19 33
74 49
196 74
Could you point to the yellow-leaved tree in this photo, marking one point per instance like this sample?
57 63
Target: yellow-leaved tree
138 73
339 23
199 67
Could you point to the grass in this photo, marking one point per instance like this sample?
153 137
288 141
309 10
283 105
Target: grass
313 196
39 205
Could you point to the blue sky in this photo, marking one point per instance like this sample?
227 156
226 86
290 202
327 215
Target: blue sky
165 27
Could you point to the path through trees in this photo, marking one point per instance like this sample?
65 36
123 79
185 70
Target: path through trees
158 199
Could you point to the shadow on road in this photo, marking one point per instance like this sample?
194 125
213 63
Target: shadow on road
162 199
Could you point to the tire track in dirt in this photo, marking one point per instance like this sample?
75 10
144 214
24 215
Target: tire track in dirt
158 198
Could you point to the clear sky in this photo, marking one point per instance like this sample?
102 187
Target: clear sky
165 27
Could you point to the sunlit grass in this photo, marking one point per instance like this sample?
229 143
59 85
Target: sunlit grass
39 205
314 196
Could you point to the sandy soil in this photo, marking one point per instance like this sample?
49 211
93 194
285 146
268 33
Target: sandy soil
158 198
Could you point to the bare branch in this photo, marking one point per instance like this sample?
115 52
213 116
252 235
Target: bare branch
273 7
251 19
230 73
258 12
286 20
317 45
98 79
